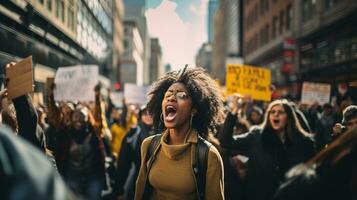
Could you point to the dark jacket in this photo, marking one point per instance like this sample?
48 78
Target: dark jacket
25 173
27 121
130 154
269 158
311 183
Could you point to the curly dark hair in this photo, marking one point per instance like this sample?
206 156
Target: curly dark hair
205 94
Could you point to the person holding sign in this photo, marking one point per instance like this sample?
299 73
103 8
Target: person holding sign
272 148
185 106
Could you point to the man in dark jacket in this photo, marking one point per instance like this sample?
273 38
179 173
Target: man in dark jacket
130 154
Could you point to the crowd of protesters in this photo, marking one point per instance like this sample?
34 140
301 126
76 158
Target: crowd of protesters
186 143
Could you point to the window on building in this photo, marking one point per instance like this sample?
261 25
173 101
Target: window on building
267 5
308 10
60 9
353 48
331 3
274 27
281 22
41 1
262 7
49 5
262 38
71 20
267 33
289 17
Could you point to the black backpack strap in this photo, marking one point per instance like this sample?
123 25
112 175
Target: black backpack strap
154 143
200 166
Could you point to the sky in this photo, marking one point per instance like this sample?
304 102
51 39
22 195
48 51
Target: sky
181 28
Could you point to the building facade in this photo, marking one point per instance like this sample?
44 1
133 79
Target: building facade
227 42
156 66
135 11
132 67
212 8
118 35
270 37
204 57
57 33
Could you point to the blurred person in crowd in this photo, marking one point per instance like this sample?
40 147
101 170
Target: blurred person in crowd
255 117
130 156
349 121
25 173
83 163
271 149
185 106
330 175
42 115
324 126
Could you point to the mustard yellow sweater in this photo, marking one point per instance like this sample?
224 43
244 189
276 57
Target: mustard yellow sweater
171 174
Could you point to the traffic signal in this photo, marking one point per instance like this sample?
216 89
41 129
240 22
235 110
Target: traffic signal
117 86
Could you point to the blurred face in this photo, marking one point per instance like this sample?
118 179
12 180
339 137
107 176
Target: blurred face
278 118
67 112
256 117
176 106
146 118
79 120
351 124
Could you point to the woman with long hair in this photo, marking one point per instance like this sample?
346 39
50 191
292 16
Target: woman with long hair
185 106
272 148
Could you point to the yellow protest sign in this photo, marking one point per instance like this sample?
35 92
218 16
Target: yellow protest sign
245 79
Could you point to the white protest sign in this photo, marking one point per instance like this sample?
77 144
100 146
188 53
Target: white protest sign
117 99
135 94
315 92
76 83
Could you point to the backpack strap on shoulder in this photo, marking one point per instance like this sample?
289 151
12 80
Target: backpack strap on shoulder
199 166
154 143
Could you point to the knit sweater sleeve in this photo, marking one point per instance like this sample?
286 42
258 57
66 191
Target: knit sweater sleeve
140 181
214 176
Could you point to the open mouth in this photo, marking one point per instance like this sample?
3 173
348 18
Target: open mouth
276 121
170 113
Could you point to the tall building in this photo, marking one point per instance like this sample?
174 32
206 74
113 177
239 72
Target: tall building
118 35
212 7
204 57
133 56
328 41
56 33
156 66
135 11
227 42
270 37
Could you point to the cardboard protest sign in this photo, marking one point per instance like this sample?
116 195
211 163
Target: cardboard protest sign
20 78
135 94
315 92
76 83
245 79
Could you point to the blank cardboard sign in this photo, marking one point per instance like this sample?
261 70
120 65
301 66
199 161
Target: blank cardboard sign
20 78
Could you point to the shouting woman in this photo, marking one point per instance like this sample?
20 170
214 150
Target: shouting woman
274 147
179 163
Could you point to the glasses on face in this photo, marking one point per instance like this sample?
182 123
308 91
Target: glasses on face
178 95
279 112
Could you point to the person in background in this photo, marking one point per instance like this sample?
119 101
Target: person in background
349 121
271 149
324 126
186 106
130 156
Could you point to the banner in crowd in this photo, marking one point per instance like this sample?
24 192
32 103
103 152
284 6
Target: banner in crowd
117 99
245 79
20 78
135 94
315 92
76 83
